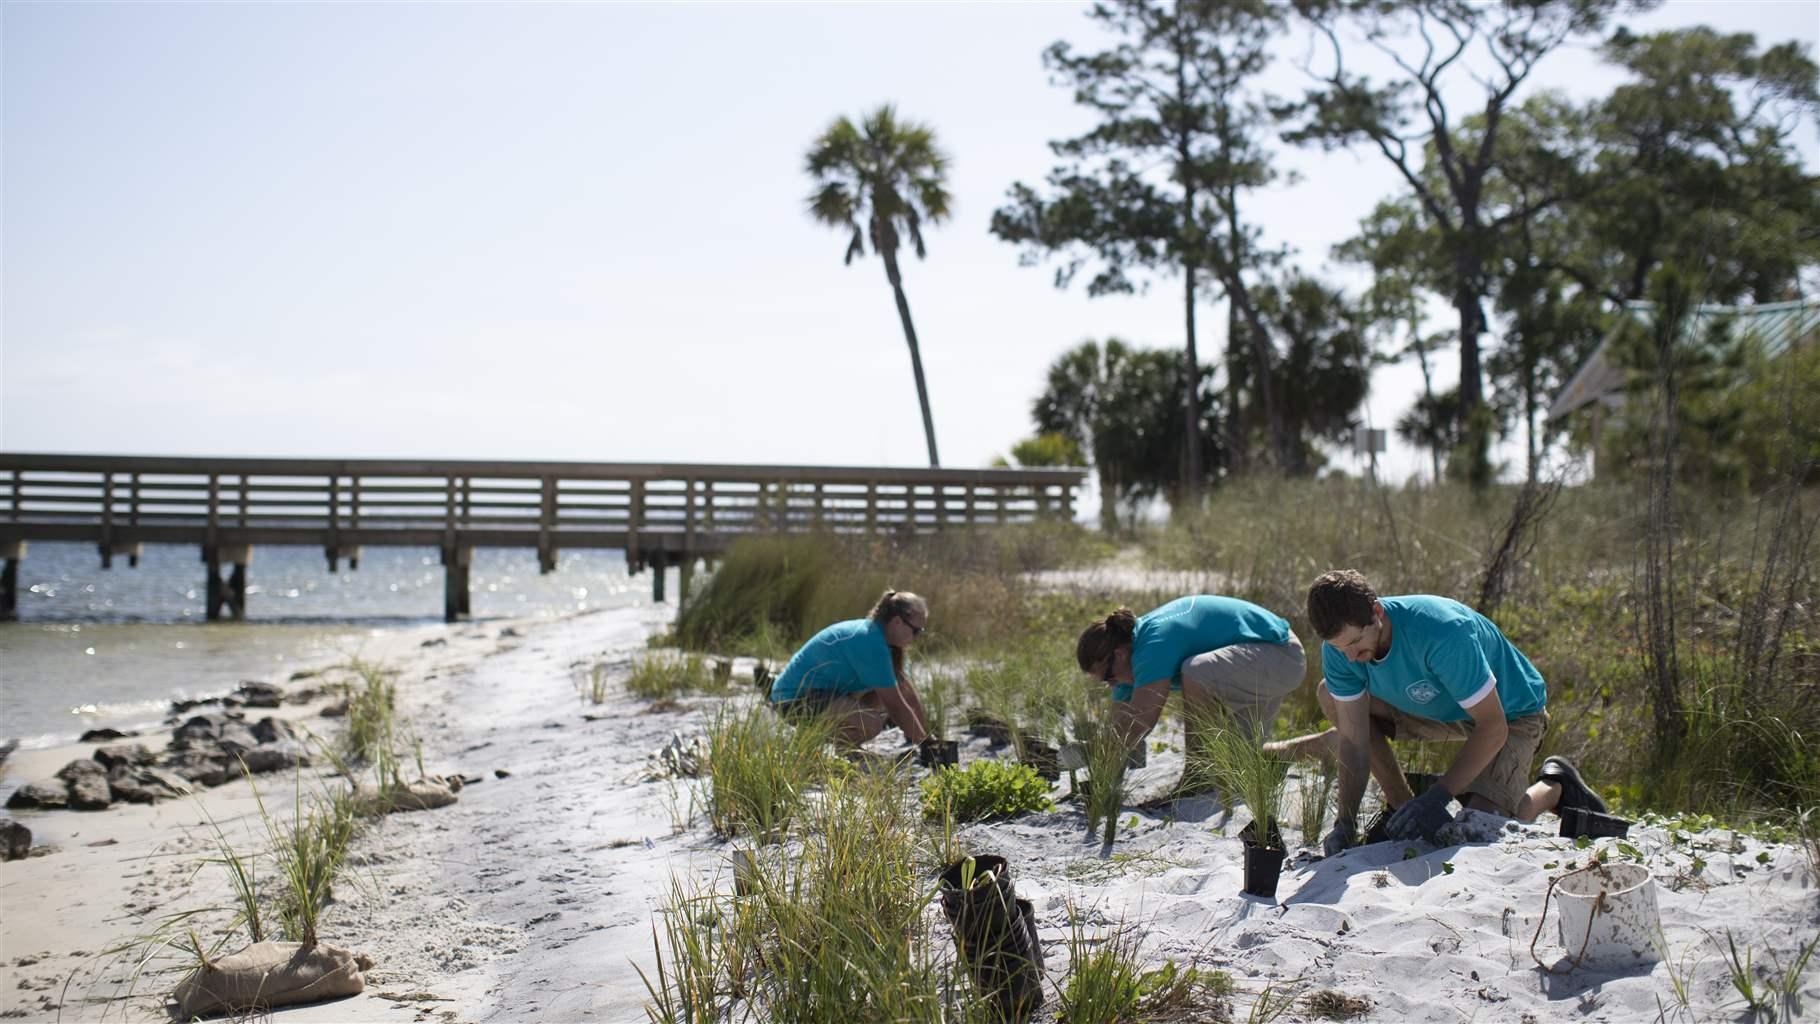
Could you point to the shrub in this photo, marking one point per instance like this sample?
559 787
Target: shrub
986 788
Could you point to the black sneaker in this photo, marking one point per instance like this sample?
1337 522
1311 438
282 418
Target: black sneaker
1574 790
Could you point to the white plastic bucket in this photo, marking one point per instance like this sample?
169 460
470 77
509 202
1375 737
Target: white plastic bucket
1610 912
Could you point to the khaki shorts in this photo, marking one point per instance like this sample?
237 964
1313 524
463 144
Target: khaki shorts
1507 776
812 704
1249 680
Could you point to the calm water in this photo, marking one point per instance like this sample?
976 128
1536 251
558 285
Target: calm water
113 647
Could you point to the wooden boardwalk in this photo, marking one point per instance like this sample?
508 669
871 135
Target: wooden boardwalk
658 514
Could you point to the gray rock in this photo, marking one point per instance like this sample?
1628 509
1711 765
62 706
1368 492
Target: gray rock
123 755
200 729
236 739
7 746
144 785
45 795
88 786
15 840
275 756
76 771
255 694
199 766
269 730
103 735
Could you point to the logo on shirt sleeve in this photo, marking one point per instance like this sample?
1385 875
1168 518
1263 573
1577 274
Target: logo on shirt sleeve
1422 691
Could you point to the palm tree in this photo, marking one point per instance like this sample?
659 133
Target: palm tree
882 179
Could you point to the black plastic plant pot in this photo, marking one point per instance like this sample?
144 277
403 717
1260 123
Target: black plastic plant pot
1578 821
990 877
995 935
1042 757
995 732
1377 830
1273 836
947 753
1263 868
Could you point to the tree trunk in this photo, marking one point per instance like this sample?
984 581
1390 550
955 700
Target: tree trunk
1191 488
916 355
1428 389
1238 441
1474 431
1191 473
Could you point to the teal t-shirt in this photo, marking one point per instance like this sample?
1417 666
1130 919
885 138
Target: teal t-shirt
847 657
1187 626
1443 658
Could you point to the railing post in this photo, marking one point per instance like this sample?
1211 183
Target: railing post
635 514
334 538
872 506
546 521
107 519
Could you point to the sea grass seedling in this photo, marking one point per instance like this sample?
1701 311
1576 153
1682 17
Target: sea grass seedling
1247 772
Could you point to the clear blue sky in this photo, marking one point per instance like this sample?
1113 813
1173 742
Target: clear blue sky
570 232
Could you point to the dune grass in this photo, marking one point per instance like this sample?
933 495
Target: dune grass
661 675
760 770
831 927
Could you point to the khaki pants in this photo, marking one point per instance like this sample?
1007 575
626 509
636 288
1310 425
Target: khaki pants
1249 680
1505 779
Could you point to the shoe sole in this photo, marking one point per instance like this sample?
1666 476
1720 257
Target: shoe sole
1565 775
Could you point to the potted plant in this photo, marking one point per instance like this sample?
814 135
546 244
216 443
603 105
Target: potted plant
995 935
1257 779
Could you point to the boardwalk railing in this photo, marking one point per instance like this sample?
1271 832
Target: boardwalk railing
659 514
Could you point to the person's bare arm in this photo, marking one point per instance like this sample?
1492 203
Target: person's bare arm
1133 718
1489 733
914 700
1352 718
902 712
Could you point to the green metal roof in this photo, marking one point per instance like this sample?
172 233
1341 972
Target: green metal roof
1776 325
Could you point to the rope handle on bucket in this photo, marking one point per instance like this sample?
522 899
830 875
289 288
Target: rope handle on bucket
1598 908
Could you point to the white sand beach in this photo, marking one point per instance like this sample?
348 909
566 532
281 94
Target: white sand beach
532 897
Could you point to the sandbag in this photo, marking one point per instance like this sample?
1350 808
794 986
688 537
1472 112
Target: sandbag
268 974
422 795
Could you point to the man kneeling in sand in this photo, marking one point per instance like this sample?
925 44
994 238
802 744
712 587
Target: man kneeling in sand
1427 668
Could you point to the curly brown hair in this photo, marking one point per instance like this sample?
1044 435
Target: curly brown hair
1339 599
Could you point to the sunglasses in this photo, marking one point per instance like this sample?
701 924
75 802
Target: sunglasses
915 630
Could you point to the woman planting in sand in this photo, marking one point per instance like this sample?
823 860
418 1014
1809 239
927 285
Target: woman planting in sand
853 673
1222 653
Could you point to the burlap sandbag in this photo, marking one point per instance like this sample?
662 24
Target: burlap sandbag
268 974
422 795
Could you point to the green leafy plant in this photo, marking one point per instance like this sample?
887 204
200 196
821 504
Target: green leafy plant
986 788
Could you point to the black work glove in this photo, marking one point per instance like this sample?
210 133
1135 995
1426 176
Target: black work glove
1343 833
1422 816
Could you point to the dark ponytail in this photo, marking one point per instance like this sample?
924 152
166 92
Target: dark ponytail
1099 640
